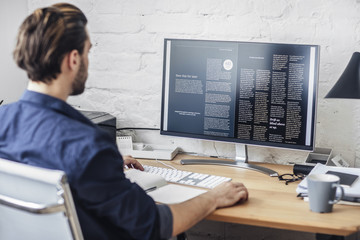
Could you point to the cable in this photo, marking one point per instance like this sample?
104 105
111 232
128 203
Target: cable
133 128
166 164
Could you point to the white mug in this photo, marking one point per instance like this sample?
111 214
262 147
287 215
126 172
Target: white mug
322 192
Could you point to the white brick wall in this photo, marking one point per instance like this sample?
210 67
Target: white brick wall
126 61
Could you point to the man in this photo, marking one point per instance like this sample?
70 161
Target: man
41 129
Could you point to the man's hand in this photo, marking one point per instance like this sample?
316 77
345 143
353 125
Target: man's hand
131 162
229 193
188 213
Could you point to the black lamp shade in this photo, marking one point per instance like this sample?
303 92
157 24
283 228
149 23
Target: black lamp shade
348 85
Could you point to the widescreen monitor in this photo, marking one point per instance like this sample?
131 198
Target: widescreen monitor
243 92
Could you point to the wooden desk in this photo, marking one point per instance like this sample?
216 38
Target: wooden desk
272 203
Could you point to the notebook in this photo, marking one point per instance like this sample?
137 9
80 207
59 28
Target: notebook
162 192
351 191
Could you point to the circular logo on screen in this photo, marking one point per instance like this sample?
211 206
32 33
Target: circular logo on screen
228 64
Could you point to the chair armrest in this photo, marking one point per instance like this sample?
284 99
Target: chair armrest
32 207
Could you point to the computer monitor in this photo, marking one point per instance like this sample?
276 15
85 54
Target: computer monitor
242 92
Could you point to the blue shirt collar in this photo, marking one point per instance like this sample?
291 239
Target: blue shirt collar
55 104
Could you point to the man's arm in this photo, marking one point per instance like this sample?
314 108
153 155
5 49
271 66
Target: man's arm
187 214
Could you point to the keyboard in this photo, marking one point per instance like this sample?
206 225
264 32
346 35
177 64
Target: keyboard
187 178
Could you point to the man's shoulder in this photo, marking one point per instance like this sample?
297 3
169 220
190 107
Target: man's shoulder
59 136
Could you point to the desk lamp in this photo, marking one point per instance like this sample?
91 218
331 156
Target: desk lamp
348 85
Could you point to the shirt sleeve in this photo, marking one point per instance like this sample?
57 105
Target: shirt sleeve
122 206
166 221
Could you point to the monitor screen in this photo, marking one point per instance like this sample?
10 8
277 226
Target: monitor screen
244 92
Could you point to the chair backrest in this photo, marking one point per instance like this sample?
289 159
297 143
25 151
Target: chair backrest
35 203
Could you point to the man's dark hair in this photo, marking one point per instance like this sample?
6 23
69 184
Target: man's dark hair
46 36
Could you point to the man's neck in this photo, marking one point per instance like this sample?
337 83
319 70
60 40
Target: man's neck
52 89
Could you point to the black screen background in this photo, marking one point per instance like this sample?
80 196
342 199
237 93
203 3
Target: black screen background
189 69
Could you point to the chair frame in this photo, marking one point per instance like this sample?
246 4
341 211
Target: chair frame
65 203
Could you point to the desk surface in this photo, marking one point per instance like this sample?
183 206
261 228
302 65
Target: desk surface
272 203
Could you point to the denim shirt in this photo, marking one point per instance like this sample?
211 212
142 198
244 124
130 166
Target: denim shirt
44 131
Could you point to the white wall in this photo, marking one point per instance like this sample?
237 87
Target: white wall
126 60
13 81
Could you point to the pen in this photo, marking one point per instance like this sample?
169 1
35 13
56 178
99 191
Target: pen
132 166
344 198
351 199
150 189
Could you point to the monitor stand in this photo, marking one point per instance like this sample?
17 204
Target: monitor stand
241 161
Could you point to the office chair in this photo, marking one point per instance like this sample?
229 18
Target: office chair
35 203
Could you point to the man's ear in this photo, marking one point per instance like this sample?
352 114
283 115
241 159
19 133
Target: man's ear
73 59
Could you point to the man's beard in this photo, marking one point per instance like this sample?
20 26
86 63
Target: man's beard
78 85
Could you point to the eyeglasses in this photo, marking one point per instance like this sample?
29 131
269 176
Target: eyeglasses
288 177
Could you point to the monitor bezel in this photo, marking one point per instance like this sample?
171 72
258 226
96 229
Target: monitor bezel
233 139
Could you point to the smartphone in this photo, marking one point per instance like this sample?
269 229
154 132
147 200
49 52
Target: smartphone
345 178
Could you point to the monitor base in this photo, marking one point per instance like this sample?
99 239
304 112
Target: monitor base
238 164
